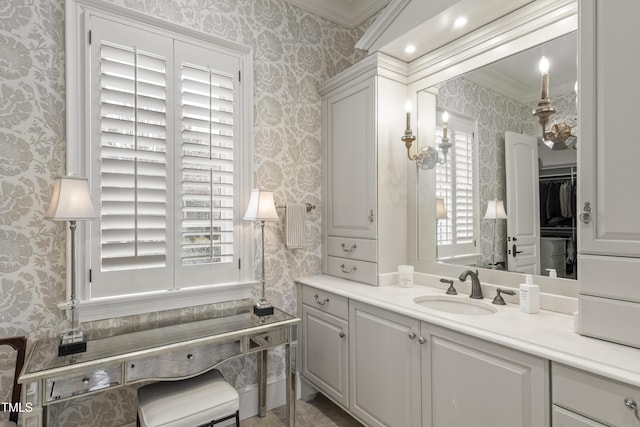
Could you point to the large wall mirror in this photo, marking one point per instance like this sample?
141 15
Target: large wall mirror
503 198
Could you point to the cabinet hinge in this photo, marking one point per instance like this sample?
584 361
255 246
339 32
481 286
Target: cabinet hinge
90 274
239 264
239 75
89 36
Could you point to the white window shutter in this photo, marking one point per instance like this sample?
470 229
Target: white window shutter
131 86
207 237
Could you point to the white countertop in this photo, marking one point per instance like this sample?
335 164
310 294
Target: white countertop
547 334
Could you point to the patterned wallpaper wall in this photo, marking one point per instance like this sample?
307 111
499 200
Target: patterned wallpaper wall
495 114
294 51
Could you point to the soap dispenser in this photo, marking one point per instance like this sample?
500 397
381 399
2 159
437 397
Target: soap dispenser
529 296
552 272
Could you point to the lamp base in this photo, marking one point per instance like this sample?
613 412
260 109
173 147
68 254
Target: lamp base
263 308
72 343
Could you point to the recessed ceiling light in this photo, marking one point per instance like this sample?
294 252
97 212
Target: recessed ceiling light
410 48
460 22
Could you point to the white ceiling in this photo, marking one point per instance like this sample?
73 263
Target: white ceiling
349 13
518 77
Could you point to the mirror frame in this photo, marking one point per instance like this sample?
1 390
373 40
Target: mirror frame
529 26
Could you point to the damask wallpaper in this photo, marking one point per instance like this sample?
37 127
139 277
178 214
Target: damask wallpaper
294 51
495 114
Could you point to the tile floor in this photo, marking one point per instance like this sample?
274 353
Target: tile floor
319 412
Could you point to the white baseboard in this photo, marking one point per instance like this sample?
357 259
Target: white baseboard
276 397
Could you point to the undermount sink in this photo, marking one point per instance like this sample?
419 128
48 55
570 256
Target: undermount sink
454 304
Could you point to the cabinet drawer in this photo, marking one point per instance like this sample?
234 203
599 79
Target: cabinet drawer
360 271
344 247
563 418
594 397
326 302
609 319
609 276
183 362
82 383
267 339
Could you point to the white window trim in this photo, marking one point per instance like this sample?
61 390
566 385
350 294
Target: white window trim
77 132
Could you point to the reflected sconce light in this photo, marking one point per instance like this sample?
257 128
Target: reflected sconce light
71 202
261 208
495 211
426 157
560 136
441 209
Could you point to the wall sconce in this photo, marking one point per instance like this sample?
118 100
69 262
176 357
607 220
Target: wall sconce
427 157
560 136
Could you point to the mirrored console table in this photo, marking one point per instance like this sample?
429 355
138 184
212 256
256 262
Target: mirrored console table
171 352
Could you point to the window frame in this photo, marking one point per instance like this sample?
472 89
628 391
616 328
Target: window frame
77 14
460 252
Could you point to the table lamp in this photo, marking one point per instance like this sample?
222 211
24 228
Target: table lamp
261 208
495 211
71 202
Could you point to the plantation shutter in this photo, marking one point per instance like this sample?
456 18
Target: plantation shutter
455 184
207 133
131 88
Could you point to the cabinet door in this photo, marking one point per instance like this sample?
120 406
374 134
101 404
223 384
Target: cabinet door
324 353
349 130
476 383
385 367
608 152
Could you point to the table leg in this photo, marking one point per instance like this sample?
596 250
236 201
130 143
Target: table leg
262 383
290 354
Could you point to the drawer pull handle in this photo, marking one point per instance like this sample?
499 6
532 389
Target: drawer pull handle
631 404
190 356
352 269
323 302
351 249
267 338
341 334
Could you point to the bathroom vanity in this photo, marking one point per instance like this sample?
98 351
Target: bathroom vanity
389 361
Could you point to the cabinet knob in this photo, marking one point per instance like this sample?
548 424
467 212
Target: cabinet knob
85 381
585 215
190 356
412 336
631 404
341 334
422 340
371 217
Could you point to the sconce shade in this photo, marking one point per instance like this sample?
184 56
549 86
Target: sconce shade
261 206
71 200
495 210
441 209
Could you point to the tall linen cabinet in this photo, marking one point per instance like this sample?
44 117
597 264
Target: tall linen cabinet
365 170
609 226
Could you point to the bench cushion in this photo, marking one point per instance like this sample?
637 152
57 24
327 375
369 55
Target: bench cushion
189 402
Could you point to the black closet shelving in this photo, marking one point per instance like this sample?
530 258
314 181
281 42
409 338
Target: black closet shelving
554 221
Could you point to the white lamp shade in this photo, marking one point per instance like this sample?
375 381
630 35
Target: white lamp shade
441 209
261 206
495 210
71 200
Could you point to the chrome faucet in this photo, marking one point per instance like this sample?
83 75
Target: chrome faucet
476 289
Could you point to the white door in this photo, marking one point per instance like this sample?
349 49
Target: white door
607 151
523 204
384 348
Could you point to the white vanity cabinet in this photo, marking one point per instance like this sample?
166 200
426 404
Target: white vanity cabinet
365 170
385 367
325 344
471 382
584 399
609 237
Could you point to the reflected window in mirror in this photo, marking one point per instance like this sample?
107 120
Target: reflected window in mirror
456 182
